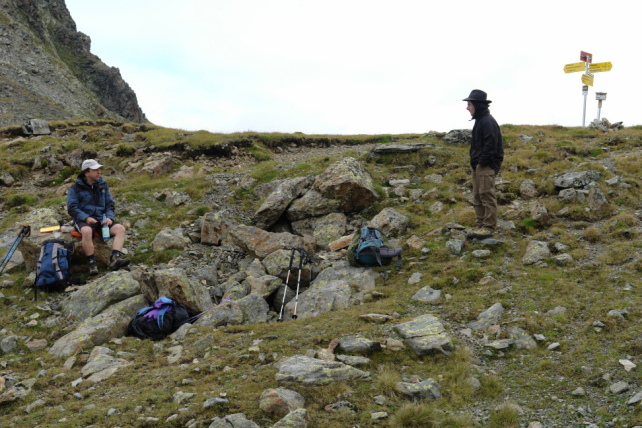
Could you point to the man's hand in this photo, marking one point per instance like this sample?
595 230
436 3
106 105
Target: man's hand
91 221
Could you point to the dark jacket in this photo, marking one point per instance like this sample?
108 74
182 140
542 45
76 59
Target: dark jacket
487 148
85 201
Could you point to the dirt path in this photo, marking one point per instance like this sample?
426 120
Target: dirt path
298 154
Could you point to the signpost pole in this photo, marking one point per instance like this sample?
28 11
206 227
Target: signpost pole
585 92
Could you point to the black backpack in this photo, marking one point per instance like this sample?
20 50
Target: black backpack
53 266
157 321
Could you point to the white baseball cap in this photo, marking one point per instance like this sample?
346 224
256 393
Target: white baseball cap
90 164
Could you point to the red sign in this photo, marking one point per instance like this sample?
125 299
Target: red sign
586 57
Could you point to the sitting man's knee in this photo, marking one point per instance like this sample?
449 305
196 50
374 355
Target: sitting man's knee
118 229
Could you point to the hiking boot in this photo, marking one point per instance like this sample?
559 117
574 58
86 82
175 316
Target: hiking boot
480 233
117 262
93 269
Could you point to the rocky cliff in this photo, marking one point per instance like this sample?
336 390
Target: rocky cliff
47 70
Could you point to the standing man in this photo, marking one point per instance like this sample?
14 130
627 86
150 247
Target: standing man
88 200
486 156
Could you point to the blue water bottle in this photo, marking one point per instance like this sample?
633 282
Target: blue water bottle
105 228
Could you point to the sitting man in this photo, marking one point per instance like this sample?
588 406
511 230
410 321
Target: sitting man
88 200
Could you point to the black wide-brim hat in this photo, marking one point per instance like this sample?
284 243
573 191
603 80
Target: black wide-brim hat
477 95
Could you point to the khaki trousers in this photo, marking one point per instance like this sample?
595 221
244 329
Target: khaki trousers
484 199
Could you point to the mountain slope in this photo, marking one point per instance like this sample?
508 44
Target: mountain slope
48 72
584 310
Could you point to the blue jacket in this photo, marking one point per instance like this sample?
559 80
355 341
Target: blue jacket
85 201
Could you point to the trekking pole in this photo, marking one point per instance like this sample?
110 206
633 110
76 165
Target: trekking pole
285 289
298 283
24 232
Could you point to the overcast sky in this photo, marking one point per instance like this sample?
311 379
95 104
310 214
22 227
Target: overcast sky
365 66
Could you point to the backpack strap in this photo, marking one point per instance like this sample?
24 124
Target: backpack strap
54 260
144 310
160 319
38 266
158 310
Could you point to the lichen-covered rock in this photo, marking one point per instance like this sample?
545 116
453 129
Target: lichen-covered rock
295 419
390 222
278 264
259 243
348 182
401 148
488 317
99 294
426 295
578 179
426 335
170 238
236 420
235 290
311 204
101 365
333 296
426 389
522 339
596 199
250 309
459 136
280 401
97 330
336 287
358 345
279 200
324 229
215 227
227 313
455 246
528 190
564 259
176 284
312 371
264 285
536 251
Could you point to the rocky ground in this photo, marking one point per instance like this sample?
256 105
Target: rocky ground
582 318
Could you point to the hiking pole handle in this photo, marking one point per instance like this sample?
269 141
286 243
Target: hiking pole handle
291 259
304 256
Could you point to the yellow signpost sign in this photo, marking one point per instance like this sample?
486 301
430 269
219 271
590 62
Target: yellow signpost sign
587 79
576 66
586 65
600 66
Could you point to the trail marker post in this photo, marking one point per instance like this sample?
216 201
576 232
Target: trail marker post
586 65
599 96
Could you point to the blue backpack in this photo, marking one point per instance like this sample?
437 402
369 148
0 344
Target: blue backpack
369 249
53 266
